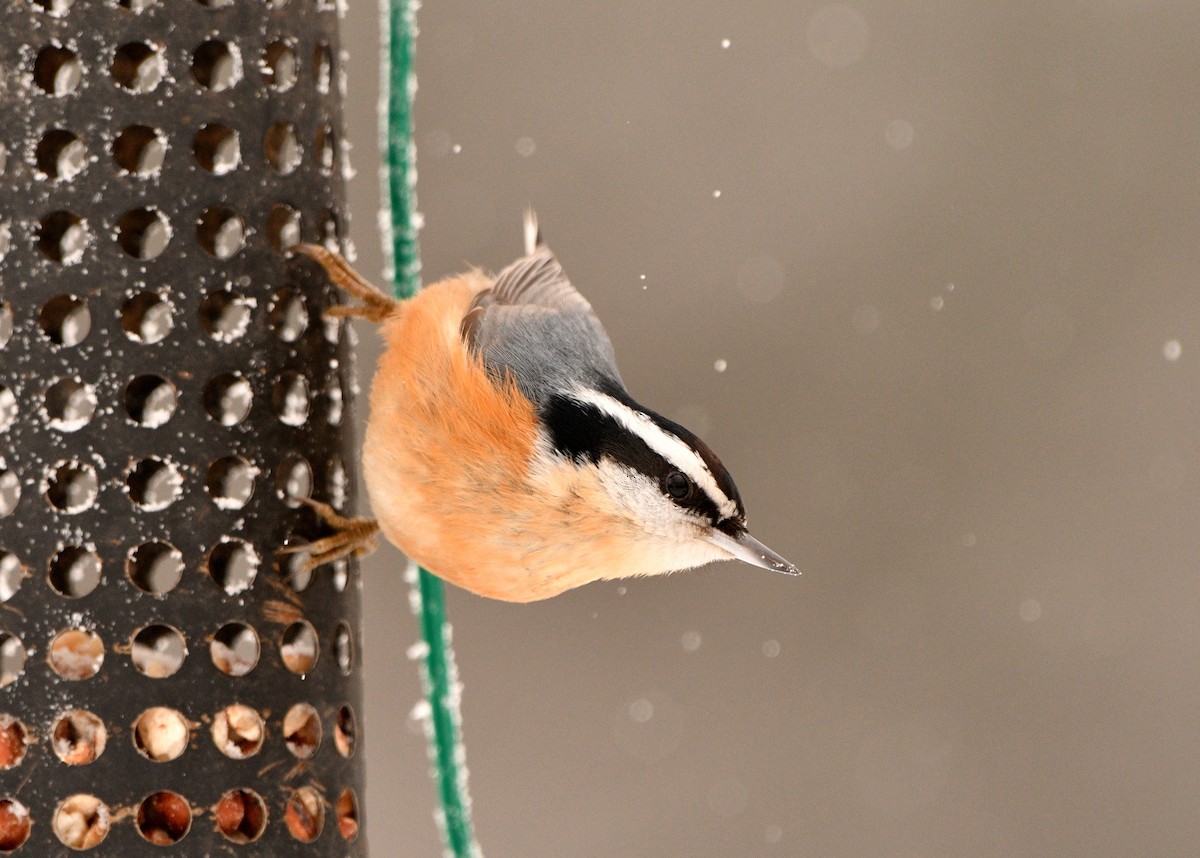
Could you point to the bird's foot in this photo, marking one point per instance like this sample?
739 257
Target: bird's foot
356 537
375 307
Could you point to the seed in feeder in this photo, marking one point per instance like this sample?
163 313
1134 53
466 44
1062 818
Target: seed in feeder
160 734
76 654
78 737
13 741
164 818
81 821
347 815
238 731
302 730
241 815
305 815
14 824
299 649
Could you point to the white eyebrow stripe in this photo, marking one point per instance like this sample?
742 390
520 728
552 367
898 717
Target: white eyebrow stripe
666 445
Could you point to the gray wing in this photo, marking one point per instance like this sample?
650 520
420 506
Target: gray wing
534 325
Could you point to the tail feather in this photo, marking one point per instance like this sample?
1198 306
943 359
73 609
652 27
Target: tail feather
533 235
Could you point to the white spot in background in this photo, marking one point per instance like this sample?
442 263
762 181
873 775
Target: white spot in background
648 728
865 319
838 36
936 303
773 834
728 797
716 195
621 591
760 279
526 146
770 648
1031 610
898 134
968 540
1172 350
641 710
690 641
720 364
456 148
949 287
725 43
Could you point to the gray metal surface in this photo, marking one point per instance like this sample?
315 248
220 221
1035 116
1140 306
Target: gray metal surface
158 158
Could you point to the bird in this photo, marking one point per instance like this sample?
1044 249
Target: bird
503 451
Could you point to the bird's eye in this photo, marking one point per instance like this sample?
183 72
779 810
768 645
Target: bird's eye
678 485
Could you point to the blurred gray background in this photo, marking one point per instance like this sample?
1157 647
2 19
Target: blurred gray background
948 256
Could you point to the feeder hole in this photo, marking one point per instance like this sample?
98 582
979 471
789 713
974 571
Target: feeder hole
300 647
293 479
325 148
12 573
66 320
164 818
283 227
346 811
14 740
155 567
138 67
14 824
76 654
10 491
8 408
74 571
143 233
217 148
238 731
60 155
160 734
282 148
158 650
12 658
81 821
345 731
241 815
279 66
305 814
235 649
230 482
71 487
154 484
221 232
343 648
225 315
78 737
322 67
289 398
150 400
57 70
62 237
233 565
216 65
147 318
302 730
70 404
139 150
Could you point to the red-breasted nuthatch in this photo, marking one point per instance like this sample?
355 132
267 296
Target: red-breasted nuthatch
504 454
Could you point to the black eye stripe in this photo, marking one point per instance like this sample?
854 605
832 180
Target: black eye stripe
583 432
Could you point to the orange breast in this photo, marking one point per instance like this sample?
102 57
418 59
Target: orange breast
447 450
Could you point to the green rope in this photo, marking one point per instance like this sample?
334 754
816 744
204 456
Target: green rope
441 686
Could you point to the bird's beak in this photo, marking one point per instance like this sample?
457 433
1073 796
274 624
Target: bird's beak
748 549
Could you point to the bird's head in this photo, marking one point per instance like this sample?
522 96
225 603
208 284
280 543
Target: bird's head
658 479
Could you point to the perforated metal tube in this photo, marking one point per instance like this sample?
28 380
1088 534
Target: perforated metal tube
167 390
